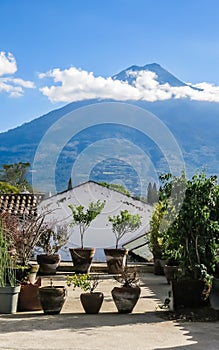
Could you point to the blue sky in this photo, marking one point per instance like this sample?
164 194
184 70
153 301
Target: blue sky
56 51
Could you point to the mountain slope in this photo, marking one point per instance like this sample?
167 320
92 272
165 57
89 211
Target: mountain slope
163 76
195 126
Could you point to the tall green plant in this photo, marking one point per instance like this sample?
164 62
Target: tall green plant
196 226
83 218
7 263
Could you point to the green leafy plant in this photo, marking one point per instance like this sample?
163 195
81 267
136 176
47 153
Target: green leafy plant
124 223
83 218
84 281
193 228
7 259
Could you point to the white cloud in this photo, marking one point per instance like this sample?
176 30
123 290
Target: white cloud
75 84
7 63
13 86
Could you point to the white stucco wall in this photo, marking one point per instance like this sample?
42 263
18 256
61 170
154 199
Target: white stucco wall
99 234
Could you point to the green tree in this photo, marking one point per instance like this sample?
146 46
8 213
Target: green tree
83 218
124 223
70 184
149 194
6 188
15 174
155 193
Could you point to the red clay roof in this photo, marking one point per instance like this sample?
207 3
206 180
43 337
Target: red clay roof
19 204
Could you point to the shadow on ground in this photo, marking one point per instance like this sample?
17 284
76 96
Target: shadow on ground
75 321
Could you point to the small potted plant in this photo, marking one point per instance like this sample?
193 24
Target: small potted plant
51 241
90 300
126 296
82 257
121 224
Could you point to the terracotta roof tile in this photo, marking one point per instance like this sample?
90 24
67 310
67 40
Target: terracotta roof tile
19 204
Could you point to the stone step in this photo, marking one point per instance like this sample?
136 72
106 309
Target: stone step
99 267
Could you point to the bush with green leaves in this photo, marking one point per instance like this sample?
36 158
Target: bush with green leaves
83 217
123 223
85 282
190 223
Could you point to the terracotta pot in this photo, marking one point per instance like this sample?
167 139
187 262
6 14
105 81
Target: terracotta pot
82 259
48 263
116 260
125 298
28 299
169 272
190 293
52 299
92 302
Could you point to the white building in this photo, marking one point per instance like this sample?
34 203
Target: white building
99 234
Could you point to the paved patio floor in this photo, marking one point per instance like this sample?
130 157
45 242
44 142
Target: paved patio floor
74 330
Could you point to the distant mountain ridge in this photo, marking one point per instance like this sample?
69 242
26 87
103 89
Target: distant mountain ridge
163 76
195 126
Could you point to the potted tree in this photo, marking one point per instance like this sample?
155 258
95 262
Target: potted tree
90 300
51 241
82 257
121 224
194 232
9 288
127 295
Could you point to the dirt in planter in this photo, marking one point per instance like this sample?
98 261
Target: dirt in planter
199 314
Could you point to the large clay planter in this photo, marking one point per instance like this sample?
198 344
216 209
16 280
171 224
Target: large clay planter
190 293
125 298
52 299
28 299
82 259
214 295
48 263
116 260
92 302
169 272
9 299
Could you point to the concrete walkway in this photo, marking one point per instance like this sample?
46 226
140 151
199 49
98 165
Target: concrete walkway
74 330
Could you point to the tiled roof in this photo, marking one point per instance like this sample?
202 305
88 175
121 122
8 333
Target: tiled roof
19 204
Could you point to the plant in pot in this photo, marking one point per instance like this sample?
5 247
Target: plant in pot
52 298
121 224
126 296
90 300
155 233
9 289
82 257
51 241
193 231
165 250
24 232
